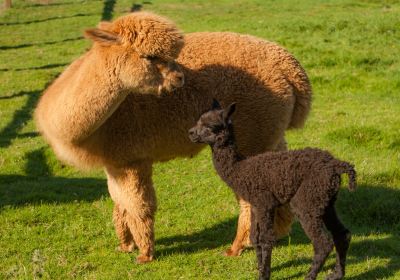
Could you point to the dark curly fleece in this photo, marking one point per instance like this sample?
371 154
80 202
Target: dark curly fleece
308 180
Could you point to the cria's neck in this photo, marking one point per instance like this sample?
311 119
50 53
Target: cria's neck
224 158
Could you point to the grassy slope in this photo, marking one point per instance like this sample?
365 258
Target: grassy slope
56 221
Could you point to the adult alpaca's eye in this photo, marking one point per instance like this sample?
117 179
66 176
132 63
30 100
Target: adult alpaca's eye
152 58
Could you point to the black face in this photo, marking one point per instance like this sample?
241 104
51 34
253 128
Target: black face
212 127
208 127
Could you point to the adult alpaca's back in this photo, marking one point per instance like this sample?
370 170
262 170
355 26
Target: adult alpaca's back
274 71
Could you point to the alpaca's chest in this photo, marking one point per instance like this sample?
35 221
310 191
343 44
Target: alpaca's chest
148 127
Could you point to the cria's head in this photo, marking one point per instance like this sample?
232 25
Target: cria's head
214 126
140 50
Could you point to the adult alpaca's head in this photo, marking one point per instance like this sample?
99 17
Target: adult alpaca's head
139 50
215 126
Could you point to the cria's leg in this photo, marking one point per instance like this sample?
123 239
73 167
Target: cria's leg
341 238
123 232
322 244
255 236
132 189
265 243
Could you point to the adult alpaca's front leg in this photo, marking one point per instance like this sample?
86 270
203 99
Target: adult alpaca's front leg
132 189
122 230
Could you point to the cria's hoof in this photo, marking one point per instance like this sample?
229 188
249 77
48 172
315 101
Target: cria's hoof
334 276
232 253
125 248
144 259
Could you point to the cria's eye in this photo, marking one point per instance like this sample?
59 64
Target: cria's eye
217 128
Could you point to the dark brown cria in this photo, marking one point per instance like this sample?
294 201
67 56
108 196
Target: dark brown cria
308 180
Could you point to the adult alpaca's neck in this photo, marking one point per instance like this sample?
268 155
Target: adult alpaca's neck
88 82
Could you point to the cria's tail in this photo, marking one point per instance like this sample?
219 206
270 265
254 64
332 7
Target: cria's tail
345 167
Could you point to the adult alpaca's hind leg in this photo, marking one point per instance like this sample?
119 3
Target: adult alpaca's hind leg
242 238
132 189
282 224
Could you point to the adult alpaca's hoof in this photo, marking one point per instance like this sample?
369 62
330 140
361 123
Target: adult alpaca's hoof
232 253
125 248
144 259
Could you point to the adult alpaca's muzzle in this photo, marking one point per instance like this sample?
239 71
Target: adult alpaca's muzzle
173 78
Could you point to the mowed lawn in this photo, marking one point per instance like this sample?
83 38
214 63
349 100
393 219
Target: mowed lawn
55 221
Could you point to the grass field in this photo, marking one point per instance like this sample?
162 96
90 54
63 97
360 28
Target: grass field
55 221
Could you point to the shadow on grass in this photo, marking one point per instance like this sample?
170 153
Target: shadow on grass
108 9
39 5
360 251
16 190
46 19
209 238
138 7
40 44
370 209
20 117
21 93
40 186
47 66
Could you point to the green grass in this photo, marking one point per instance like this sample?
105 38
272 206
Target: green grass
56 221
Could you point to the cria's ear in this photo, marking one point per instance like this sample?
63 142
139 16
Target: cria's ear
103 37
229 111
216 105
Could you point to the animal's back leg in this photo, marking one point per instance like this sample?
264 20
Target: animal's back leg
242 238
341 238
313 226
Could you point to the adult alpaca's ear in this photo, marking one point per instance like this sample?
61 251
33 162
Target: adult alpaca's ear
103 37
216 105
229 111
105 25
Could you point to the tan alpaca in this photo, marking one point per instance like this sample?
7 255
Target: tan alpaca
122 106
